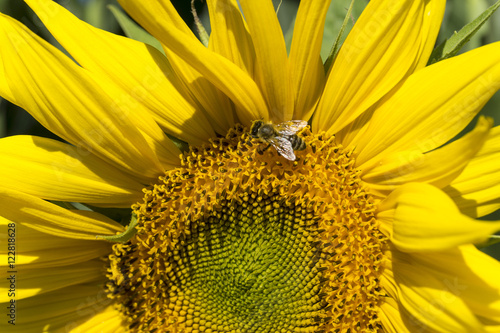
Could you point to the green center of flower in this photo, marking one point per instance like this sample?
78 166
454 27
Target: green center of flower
241 240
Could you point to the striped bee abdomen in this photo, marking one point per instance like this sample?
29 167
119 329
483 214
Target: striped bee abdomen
297 142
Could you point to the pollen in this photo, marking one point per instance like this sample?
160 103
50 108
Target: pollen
240 239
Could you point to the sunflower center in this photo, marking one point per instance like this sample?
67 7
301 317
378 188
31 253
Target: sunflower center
243 240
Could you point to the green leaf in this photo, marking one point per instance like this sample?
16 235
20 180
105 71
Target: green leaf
124 236
133 30
452 46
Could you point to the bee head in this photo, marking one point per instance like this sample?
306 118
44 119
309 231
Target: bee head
254 130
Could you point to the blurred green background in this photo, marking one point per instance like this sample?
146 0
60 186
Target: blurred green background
458 13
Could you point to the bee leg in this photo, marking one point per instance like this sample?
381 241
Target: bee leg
261 151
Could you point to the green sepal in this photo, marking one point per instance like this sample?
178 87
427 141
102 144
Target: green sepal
335 48
494 239
289 35
202 32
452 45
78 206
133 30
287 15
120 215
124 236
95 12
182 145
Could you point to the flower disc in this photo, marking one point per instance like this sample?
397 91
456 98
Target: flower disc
242 240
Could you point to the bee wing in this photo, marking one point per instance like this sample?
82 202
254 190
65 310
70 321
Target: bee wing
283 147
290 127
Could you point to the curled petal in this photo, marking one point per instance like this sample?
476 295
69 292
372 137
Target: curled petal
425 219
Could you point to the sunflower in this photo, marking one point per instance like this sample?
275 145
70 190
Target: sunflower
369 229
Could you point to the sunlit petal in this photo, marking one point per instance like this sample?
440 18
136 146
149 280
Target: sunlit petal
470 274
432 106
425 219
54 170
47 217
230 36
37 249
65 309
162 21
144 79
72 105
271 58
43 280
435 167
429 301
306 66
389 42
476 190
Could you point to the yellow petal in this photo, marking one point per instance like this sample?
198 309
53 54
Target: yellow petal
391 316
143 78
217 106
271 57
35 249
64 310
430 303
306 66
425 219
162 146
107 320
390 41
42 280
432 106
471 275
54 170
47 217
64 98
476 190
229 36
5 90
163 22
154 15
437 167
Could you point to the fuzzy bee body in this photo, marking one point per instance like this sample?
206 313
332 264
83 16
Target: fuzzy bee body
297 142
283 137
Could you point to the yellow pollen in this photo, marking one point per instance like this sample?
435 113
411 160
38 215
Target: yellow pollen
243 240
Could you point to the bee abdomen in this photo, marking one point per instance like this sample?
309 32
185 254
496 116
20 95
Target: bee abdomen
297 142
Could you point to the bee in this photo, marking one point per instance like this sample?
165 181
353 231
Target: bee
283 137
